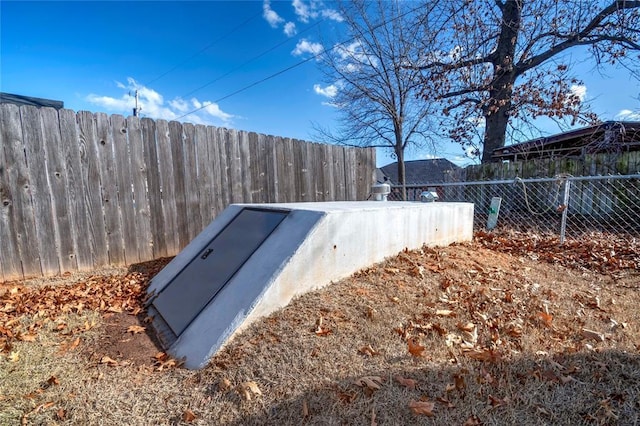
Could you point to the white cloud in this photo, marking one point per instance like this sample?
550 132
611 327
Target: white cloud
330 104
329 91
305 46
353 56
290 29
152 104
627 114
303 11
332 14
270 15
579 90
428 157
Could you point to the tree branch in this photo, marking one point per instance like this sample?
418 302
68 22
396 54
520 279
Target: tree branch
582 38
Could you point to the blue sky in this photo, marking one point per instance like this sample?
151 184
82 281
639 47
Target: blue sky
181 56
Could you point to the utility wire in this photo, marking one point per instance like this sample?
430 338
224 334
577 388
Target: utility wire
207 47
269 77
271 49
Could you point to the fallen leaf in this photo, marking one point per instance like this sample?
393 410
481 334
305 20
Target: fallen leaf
469 327
422 407
188 416
497 402
445 401
590 334
247 389
224 384
69 346
373 383
368 350
408 383
27 337
61 414
415 348
53 380
546 318
109 361
445 313
459 382
14 356
305 408
135 329
320 330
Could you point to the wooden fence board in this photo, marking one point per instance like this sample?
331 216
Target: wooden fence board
194 219
14 207
124 178
303 176
165 170
275 169
57 171
232 145
154 193
43 213
350 175
112 219
140 198
79 217
177 157
205 175
266 154
319 173
339 179
92 195
289 182
220 147
245 166
217 169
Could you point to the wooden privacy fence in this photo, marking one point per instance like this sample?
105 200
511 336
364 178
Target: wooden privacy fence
621 163
83 190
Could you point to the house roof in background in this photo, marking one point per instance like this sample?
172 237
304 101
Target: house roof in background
10 98
606 137
418 171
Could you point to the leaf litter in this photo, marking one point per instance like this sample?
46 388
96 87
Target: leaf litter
511 328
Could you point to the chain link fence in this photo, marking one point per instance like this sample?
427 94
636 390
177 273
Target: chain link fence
566 206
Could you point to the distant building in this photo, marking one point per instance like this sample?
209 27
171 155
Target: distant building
10 98
417 171
421 175
608 137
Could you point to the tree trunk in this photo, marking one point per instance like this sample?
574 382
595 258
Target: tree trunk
496 122
401 172
497 110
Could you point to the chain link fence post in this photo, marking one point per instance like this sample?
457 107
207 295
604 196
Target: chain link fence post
565 207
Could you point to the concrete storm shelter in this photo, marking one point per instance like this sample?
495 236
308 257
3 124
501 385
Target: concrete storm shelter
254 258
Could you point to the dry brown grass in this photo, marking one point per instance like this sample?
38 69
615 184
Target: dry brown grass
508 339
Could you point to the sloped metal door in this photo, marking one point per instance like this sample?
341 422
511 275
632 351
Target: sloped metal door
198 283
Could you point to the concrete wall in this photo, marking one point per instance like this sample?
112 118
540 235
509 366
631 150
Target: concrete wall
317 243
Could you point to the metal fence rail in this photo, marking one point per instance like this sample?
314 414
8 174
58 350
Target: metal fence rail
566 206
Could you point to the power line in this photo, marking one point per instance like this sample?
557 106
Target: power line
207 47
269 77
271 49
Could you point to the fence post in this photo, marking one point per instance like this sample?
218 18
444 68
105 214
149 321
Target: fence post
565 205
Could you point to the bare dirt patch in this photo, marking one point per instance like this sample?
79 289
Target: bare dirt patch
510 329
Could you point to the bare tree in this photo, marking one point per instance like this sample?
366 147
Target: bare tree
505 62
374 90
